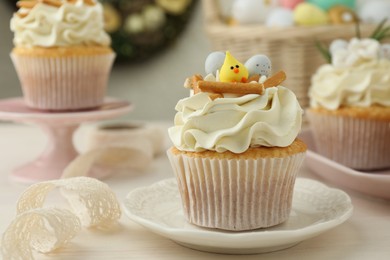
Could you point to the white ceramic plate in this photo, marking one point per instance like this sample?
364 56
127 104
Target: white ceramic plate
316 208
372 183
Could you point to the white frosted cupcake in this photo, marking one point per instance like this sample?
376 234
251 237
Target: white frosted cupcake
350 105
62 54
236 157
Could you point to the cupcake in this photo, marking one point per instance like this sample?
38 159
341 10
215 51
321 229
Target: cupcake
350 104
235 154
62 54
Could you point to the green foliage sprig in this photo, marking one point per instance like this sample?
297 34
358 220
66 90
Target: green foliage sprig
324 51
381 32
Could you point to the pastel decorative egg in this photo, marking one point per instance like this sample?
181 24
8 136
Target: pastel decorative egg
281 17
291 4
327 4
340 14
214 62
259 65
338 44
252 11
374 11
309 14
154 17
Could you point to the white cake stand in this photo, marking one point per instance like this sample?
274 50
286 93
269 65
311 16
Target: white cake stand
59 127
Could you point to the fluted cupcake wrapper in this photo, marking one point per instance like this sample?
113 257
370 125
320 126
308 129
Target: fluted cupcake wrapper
236 194
63 83
357 143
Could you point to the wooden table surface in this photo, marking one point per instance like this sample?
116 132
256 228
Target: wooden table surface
366 235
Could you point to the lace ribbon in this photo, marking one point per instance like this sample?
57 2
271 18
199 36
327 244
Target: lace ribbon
116 146
44 229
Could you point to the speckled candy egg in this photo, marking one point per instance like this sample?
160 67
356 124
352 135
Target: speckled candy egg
259 65
375 11
252 11
280 17
214 62
309 14
327 4
291 4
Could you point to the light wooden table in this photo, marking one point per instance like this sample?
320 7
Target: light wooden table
366 235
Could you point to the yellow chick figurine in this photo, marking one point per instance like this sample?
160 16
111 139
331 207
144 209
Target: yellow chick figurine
232 70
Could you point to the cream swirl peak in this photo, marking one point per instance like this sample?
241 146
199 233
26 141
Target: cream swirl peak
358 76
235 124
362 85
354 52
56 23
238 112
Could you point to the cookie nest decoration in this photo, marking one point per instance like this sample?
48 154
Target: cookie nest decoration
232 80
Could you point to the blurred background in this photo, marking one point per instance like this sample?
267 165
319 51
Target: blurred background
153 84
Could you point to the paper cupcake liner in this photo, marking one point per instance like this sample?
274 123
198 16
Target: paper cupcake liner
63 83
354 142
236 194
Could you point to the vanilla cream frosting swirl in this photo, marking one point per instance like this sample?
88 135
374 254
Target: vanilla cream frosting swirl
237 123
362 85
67 25
354 52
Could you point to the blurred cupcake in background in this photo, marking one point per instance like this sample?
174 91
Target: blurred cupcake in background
350 103
62 54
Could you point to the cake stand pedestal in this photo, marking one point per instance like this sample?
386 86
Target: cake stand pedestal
59 128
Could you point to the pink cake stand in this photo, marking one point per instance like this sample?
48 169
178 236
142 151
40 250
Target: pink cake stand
59 128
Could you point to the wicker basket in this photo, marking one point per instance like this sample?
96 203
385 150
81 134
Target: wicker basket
290 49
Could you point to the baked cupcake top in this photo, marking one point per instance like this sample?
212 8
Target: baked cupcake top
234 108
358 76
59 23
